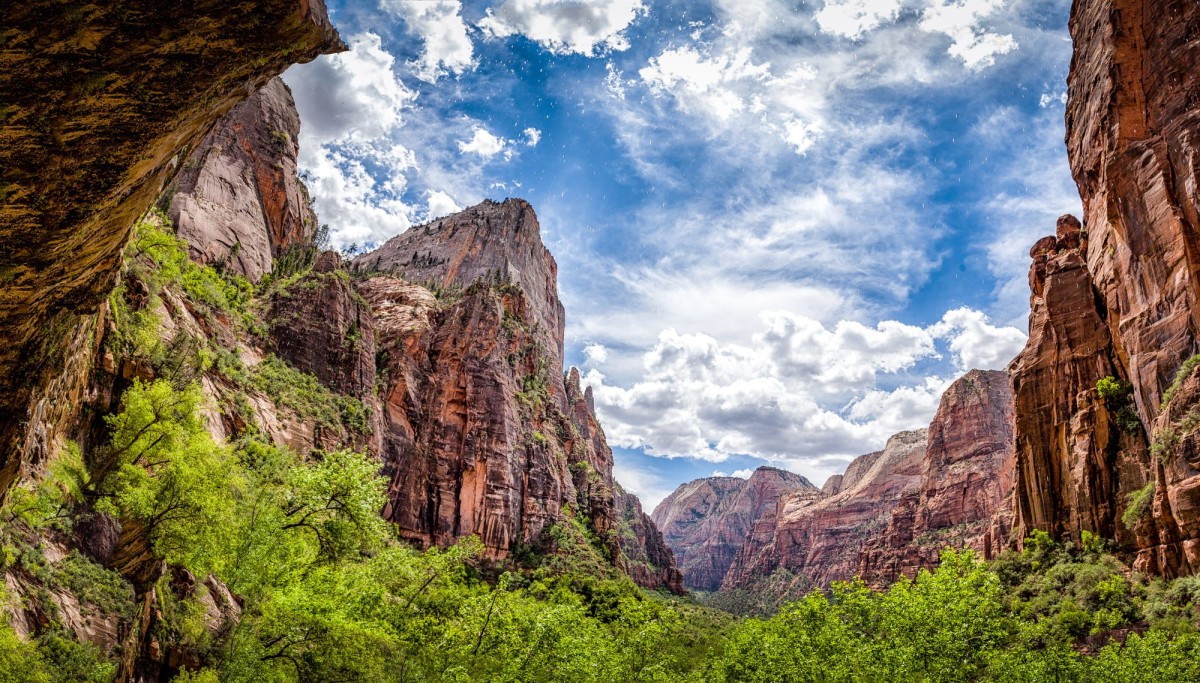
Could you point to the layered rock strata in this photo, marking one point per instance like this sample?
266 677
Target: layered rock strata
1118 296
482 432
238 201
888 515
709 520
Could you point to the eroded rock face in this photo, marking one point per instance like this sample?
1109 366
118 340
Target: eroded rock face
321 325
707 521
492 243
1070 449
889 515
965 496
98 102
1120 298
238 200
482 433
648 559
819 538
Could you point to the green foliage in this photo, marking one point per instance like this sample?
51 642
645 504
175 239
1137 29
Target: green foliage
1181 374
1016 621
305 394
163 472
1118 396
1138 506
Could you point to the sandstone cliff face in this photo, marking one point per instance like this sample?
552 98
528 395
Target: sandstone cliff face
890 514
1070 449
819 538
965 496
492 243
1121 298
707 521
481 431
238 200
646 556
88 149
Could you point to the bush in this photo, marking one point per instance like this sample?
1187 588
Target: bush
1138 506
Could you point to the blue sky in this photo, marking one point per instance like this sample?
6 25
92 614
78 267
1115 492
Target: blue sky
782 227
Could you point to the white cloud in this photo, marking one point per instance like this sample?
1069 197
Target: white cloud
586 27
353 95
1049 99
447 47
798 392
960 20
484 144
742 474
441 204
726 89
595 354
853 18
977 344
532 137
350 103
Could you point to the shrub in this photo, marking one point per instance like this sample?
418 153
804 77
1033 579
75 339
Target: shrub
1138 506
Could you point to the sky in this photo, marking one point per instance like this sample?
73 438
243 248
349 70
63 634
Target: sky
783 227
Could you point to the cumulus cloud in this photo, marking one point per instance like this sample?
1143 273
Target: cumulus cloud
798 392
961 21
975 342
586 27
447 47
484 144
853 18
440 204
349 104
725 86
353 95
595 354
742 474
532 137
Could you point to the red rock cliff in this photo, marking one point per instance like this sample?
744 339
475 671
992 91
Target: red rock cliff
482 432
707 521
1121 297
238 200
889 514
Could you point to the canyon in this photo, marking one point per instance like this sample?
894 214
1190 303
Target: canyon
440 354
889 515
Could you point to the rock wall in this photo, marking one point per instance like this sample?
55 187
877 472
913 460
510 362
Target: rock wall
646 556
99 101
707 521
238 200
1119 297
889 514
820 538
482 431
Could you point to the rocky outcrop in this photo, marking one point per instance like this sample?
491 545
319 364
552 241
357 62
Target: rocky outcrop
321 325
707 521
888 515
482 433
1120 297
965 496
99 101
820 538
646 557
238 201
1070 448
489 244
